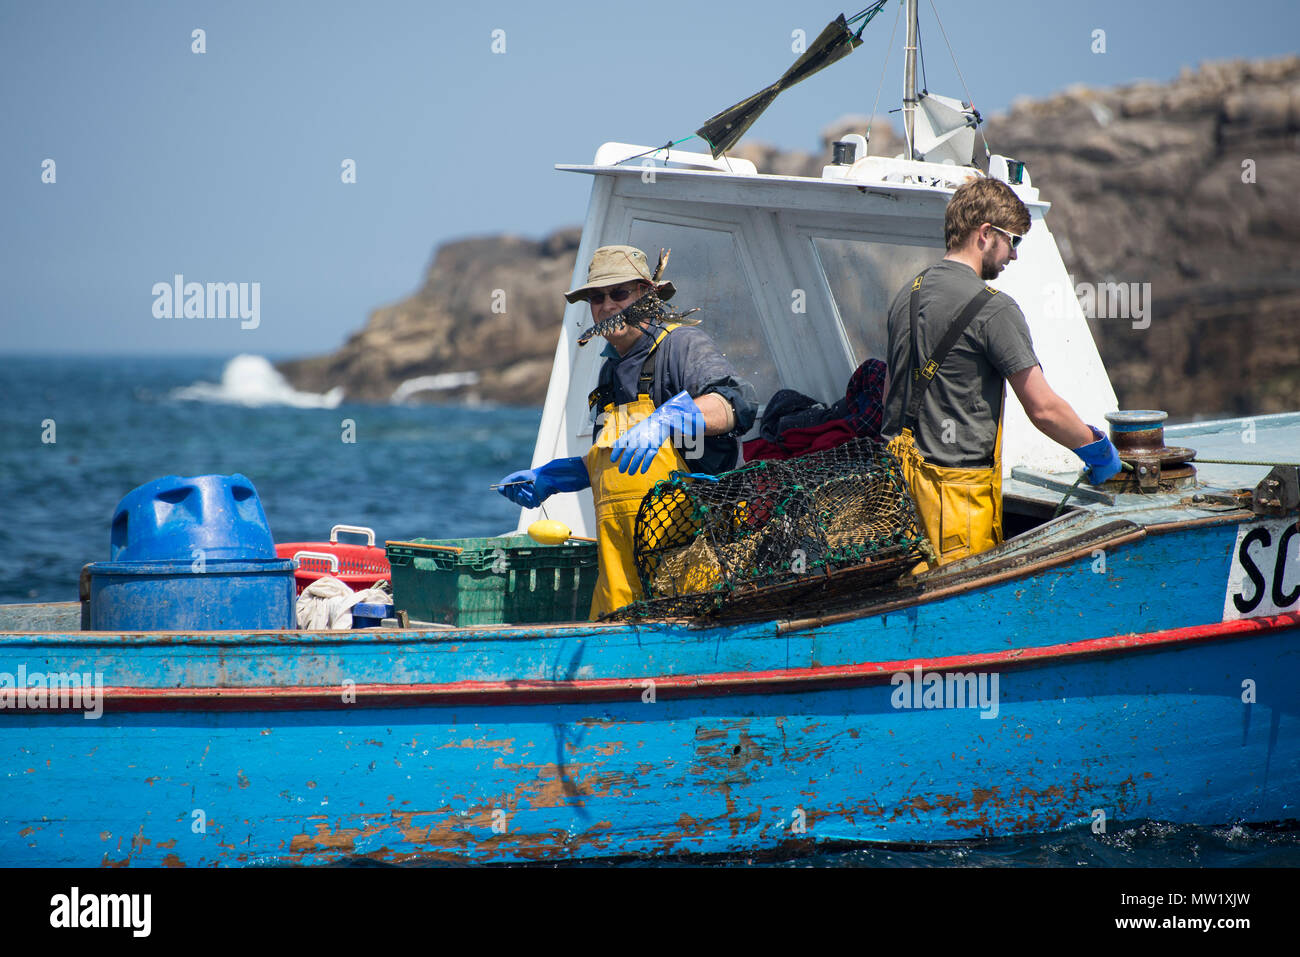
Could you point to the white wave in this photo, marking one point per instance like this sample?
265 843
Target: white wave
432 383
252 381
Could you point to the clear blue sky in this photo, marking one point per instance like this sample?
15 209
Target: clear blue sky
225 166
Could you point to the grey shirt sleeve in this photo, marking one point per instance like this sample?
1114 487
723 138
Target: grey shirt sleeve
1006 340
694 363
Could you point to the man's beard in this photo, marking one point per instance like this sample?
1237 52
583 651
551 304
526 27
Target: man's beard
988 267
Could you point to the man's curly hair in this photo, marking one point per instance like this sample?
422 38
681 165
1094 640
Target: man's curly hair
980 201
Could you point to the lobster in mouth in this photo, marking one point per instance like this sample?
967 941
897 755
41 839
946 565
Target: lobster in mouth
646 310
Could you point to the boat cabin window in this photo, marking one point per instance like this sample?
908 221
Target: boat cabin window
864 278
845 284
705 267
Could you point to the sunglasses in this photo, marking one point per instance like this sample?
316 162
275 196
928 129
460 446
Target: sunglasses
596 297
1015 240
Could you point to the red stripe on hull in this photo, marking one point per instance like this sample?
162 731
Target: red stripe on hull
293 698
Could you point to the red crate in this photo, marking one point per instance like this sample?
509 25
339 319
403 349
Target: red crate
357 566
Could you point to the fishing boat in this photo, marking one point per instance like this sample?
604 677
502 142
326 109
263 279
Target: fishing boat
1129 652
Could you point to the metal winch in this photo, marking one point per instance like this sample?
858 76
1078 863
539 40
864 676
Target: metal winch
1139 435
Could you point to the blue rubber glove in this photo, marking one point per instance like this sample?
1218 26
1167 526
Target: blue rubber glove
1101 457
539 484
635 449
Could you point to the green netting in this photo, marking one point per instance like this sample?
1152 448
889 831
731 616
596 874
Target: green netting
770 527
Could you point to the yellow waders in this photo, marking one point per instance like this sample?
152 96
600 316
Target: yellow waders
960 508
618 496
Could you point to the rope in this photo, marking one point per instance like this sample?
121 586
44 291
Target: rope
1068 494
869 13
657 149
920 53
969 99
889 50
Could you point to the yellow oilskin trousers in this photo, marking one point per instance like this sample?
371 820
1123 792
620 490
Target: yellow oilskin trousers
960 509
618 498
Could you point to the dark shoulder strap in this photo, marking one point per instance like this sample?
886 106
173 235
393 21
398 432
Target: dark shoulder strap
645 384
923 374
914 308
603 395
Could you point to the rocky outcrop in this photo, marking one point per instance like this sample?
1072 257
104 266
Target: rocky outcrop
490 306
1194 188
1191 186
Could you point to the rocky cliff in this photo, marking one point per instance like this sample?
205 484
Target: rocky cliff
1192 187
490 306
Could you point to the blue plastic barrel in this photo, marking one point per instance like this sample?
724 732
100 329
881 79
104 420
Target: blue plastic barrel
201 516
207 595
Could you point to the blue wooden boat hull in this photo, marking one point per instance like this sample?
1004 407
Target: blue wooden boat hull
1120 694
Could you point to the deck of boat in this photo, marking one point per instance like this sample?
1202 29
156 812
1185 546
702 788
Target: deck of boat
1091 518
1265 439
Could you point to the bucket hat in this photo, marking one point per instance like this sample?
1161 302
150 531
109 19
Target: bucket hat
613 265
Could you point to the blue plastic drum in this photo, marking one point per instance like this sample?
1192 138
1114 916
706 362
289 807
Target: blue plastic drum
206 517
207 595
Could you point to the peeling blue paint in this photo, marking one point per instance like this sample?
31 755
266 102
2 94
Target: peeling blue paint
1149 734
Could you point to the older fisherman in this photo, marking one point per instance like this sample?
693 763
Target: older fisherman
663 390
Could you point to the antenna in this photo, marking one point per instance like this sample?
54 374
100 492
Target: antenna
909 82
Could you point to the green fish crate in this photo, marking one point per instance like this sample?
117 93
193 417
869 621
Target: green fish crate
492 581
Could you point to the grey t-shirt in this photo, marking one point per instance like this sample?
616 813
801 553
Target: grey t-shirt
958 420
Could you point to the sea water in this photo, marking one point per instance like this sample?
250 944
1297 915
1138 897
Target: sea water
79 433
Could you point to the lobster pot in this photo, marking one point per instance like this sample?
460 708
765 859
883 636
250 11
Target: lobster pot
774 529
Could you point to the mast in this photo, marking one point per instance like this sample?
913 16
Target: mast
909 82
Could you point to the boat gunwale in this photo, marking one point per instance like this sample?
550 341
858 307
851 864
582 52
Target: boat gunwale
1006 568
718 684
952 580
